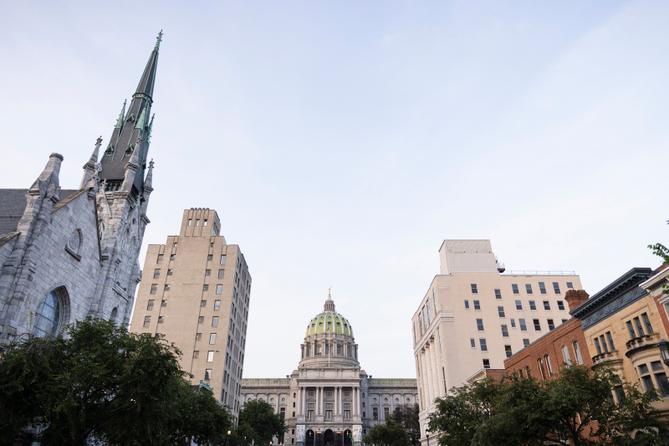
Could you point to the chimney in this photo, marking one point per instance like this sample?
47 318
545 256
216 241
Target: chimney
575 298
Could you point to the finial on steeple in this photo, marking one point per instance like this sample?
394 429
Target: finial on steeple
148 181
159 38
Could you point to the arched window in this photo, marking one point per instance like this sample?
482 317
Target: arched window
114 314
52 313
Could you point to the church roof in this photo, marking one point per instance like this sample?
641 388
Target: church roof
12 205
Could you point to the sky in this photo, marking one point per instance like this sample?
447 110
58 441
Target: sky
341 142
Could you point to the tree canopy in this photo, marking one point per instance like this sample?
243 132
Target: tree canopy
101 382
400 429
578 407
258 423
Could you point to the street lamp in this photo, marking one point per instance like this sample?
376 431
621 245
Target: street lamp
428 439
664 351
227 437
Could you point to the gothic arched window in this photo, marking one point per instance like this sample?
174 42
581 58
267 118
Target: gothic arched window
114 314
52 313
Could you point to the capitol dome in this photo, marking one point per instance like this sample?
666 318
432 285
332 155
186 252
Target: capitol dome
329 321
328 341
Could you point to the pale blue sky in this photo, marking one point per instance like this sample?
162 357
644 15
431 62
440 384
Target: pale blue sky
341 141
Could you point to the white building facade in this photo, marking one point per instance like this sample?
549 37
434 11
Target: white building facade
329 400
473 316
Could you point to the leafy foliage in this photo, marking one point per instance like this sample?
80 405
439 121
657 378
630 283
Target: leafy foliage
577 407
101 382
258 423
400 429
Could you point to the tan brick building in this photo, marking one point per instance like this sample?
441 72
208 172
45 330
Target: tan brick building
195 290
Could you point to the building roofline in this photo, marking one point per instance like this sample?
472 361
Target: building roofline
630 279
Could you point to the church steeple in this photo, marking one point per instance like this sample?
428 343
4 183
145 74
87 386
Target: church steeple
131 134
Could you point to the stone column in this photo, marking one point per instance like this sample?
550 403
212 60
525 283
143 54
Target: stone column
319 392
336 401
303 398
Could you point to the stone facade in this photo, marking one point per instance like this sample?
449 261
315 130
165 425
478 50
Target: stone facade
329 400
474 315
195 291
69 254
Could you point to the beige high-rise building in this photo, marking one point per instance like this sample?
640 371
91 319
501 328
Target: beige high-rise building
474 316
195 290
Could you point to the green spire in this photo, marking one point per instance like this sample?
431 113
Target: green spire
121 116
159 38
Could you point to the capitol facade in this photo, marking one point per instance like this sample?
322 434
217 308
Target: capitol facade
330 400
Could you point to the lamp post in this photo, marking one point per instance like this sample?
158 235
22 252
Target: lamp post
664 351
428 439
227 437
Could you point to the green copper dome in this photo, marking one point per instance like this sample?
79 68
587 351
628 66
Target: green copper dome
329 321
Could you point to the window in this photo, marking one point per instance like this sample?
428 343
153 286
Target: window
466 303
526 342
646 380
560 304
533 305
205 287
159 259
551 324
475 288
577 352
203 303
204 222
500 311
210 356
637 325
219 289
566 358
514 288
549 366
173 256
609 339
537 324
513 323
483 343
547 305
196 354
486 363
528 288
477 305
167 287
207 374
505 331
149 304
210 257
170 271
207 272
556 287
220 273
214 321
660 377
163 303
200 319
222 261
198 336
156 273
217 304
570 285
630 329
161 319
598 348
646 323
521 323
375 413
147 321
542 288
507 351
479 324
472 342
498 293
519 305
154 288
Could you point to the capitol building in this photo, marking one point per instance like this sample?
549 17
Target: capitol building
330 400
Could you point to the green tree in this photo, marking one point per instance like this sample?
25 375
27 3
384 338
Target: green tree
577 408
407 418
391 433
101 382
258 423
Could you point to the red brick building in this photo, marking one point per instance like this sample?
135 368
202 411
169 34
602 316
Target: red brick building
565 345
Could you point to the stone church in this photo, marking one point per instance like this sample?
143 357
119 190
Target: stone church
66 254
